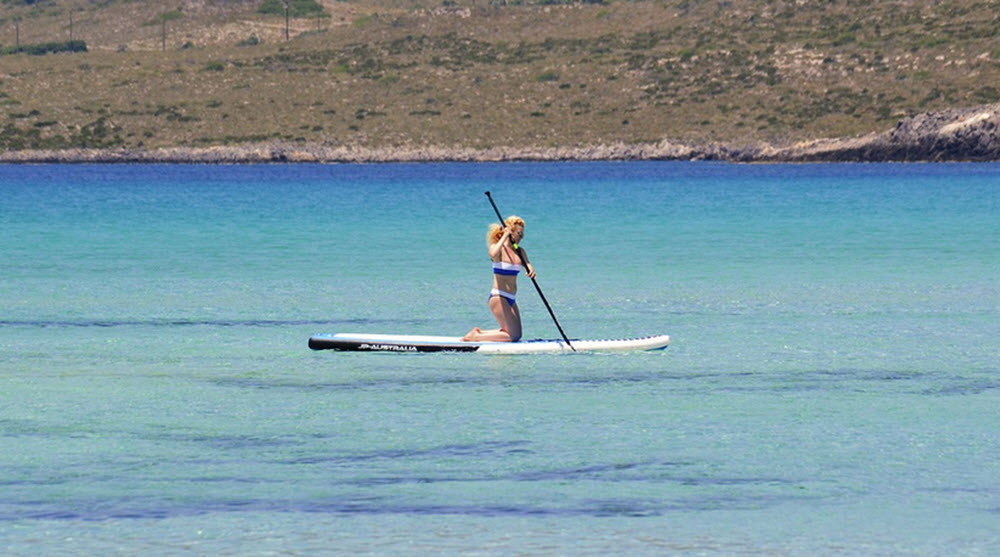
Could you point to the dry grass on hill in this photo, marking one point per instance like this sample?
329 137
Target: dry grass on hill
384 73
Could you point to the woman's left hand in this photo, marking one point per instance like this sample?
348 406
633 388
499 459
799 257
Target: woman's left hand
531 270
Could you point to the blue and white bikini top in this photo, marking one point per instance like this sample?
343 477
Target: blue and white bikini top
504 268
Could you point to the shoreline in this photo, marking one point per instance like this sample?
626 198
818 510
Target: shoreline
957 135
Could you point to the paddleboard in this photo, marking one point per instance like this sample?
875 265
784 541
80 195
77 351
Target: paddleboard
360 342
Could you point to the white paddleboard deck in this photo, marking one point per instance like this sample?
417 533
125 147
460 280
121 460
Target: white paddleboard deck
360 342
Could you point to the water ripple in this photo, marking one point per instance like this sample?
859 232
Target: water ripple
476 449
110 323
137 508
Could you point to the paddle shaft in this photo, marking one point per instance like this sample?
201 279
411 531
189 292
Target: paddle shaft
520 254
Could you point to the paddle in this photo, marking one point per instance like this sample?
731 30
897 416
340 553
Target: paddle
533 281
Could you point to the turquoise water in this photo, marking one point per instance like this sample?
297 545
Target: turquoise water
832 388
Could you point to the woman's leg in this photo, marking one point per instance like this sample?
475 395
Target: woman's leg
507 316
512 317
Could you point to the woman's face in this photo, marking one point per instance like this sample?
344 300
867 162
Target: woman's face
516 233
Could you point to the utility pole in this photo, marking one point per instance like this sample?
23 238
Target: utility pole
285 2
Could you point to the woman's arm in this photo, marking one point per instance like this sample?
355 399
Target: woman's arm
527 264
498 246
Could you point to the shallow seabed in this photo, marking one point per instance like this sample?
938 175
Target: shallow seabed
831 388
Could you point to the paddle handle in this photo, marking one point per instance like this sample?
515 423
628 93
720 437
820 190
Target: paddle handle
495 210
533 281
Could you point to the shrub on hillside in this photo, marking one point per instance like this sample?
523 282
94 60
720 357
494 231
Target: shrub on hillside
46 48
296 8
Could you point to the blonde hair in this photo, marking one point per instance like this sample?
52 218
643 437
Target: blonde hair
495 232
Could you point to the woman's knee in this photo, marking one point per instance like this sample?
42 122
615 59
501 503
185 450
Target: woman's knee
513 329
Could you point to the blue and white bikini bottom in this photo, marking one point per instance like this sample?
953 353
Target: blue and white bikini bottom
503 294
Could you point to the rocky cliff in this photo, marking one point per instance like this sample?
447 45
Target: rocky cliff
969 134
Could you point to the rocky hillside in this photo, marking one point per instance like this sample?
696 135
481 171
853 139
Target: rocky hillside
388 80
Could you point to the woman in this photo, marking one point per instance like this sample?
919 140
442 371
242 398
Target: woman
508 260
